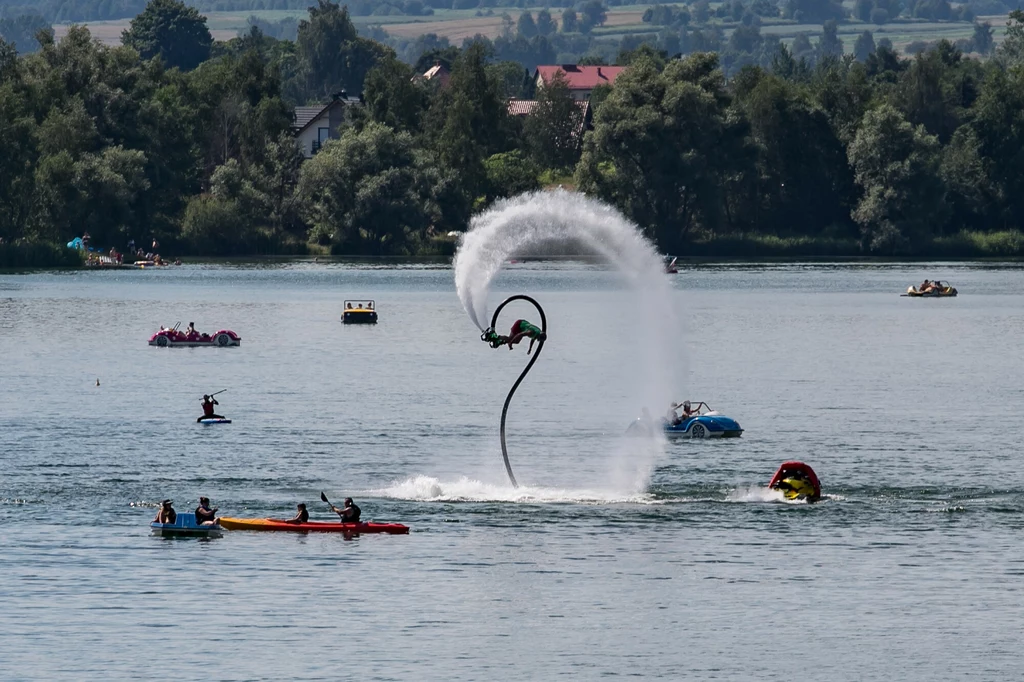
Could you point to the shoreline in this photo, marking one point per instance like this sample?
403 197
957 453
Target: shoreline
445 263
964 247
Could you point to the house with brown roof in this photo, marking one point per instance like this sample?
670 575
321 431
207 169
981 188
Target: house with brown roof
314 125
581 79
526 107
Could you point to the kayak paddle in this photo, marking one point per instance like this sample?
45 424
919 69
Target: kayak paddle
324 498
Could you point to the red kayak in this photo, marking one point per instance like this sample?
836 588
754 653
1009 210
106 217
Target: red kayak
315 526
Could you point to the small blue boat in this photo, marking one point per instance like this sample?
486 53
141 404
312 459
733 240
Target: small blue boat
705 426
703 422
185 525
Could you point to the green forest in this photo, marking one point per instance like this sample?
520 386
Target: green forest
176 138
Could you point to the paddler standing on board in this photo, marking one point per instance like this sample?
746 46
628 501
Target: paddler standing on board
208 402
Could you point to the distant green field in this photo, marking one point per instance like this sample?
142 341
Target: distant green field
626 19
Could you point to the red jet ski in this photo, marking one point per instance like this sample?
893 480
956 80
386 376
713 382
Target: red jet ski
797 481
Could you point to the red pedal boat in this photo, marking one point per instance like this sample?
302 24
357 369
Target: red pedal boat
173 338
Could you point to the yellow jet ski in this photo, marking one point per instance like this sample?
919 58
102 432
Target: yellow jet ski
797 481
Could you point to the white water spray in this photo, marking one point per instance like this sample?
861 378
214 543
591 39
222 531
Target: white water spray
539 220
430 489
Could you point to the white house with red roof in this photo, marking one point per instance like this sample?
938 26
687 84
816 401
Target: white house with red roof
581 79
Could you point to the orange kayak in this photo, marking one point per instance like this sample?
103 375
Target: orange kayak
314 526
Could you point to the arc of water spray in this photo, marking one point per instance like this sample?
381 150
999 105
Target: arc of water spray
533 222
508 399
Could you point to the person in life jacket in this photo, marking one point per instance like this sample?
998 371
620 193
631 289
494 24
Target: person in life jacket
351 512
208 403
205 515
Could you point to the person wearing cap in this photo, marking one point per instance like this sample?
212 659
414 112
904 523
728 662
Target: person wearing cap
676 419
166 513
204 515
302 516
351 512
208 403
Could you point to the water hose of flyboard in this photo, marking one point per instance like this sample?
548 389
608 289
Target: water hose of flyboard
497 341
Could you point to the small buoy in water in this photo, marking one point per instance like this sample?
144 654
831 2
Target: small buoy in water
97 382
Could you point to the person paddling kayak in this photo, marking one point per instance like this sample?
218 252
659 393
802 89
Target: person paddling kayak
351 512
208 403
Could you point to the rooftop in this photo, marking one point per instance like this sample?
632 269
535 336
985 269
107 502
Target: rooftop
525 107
438 72
305 115
582 77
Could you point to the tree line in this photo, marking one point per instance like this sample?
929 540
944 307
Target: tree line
177 138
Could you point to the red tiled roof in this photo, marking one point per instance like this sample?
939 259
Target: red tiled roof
582 77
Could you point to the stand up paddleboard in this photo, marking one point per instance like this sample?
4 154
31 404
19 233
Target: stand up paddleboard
214 421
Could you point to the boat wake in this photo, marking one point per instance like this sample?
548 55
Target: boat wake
759 494
430 489
756 493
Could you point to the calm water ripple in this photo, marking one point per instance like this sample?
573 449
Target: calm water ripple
599 566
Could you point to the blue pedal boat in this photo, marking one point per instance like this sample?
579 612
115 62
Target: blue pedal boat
703 422
185 526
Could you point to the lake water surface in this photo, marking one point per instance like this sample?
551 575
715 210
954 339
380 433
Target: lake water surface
605 563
